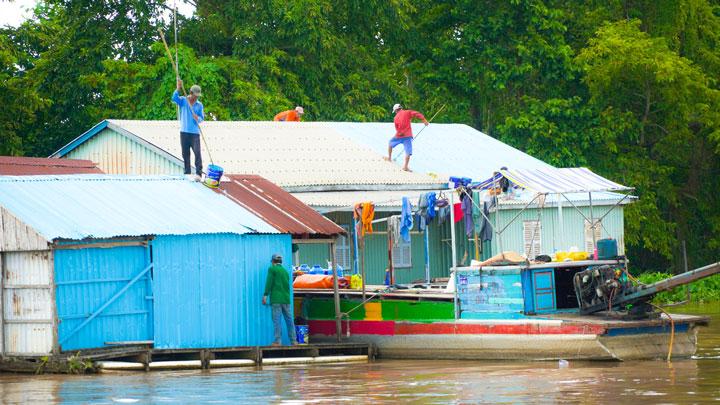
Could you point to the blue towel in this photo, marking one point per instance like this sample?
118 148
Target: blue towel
406 219
431 197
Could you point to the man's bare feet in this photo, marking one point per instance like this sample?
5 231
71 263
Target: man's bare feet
407 169
387 159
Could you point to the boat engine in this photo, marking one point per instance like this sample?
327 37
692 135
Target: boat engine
604 288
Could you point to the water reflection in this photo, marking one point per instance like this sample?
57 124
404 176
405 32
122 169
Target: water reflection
695 380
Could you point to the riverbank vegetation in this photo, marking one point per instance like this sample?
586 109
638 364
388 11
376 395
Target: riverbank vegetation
628 88
701 291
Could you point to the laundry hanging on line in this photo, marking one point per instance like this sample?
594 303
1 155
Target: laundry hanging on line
364 214
406 219
393 224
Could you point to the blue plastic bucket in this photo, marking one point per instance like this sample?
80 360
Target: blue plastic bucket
302 334
214 173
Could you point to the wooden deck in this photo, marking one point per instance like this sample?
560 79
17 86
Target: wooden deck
146 358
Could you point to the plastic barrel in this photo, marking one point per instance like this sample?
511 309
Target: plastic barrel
214 173
301 332
607 248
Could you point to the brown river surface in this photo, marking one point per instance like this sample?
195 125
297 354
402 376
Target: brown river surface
683 381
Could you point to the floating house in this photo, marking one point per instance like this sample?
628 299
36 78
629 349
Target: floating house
331 166
94 261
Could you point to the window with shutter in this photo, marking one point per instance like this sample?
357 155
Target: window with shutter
343 250
589 236
532 243
402 255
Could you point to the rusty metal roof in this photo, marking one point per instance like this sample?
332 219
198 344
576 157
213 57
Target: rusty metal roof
276 206
24 166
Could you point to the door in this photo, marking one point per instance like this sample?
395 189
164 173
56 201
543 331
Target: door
544 286
103 295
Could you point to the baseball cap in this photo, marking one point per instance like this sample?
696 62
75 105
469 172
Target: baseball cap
299 110
396 107
277 257
195 89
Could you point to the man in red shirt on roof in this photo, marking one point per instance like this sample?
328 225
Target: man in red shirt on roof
290 115
403 132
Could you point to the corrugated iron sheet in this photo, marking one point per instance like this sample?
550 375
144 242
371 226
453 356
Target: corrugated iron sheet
208 289
19 166
345 200
118 154
101 206
288 154
445 149
276 206
27 303
18 236
88 278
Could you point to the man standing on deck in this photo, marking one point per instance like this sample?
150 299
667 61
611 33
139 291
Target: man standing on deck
403 132
191 115
290 115
277 287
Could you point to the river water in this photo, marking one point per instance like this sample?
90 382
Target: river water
682 381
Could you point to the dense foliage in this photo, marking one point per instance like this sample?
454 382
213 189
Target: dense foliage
705 290
626 87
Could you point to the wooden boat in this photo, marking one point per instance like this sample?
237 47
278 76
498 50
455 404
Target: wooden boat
522 312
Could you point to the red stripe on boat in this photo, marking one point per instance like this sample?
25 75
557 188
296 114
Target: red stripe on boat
388 328
327 328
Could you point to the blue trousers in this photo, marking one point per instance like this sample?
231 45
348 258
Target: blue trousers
284 310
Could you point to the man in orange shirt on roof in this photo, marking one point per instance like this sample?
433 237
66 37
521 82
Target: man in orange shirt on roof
403 132
290 115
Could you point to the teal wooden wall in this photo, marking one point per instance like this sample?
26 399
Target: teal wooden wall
552 239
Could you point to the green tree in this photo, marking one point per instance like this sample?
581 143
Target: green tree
669 109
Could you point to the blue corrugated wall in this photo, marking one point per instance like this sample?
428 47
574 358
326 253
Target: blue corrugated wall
208 289
86 279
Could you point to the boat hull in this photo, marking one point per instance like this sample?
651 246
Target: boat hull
550 340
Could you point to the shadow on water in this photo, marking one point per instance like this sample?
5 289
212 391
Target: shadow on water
696 380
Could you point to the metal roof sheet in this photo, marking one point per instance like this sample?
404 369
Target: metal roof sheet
22 166
445 149
291 154
100 206
330 201
276 206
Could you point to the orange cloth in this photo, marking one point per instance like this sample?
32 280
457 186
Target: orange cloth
364 213
368 214
289 115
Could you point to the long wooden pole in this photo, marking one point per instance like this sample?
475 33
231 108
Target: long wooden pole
182 87
336 293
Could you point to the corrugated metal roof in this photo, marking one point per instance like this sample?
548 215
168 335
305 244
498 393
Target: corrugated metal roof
22 166
101 206
445 149
329 201
290 154
276 206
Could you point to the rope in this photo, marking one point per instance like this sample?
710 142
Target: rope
672 331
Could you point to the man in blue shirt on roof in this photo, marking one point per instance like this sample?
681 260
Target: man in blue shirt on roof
191 115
